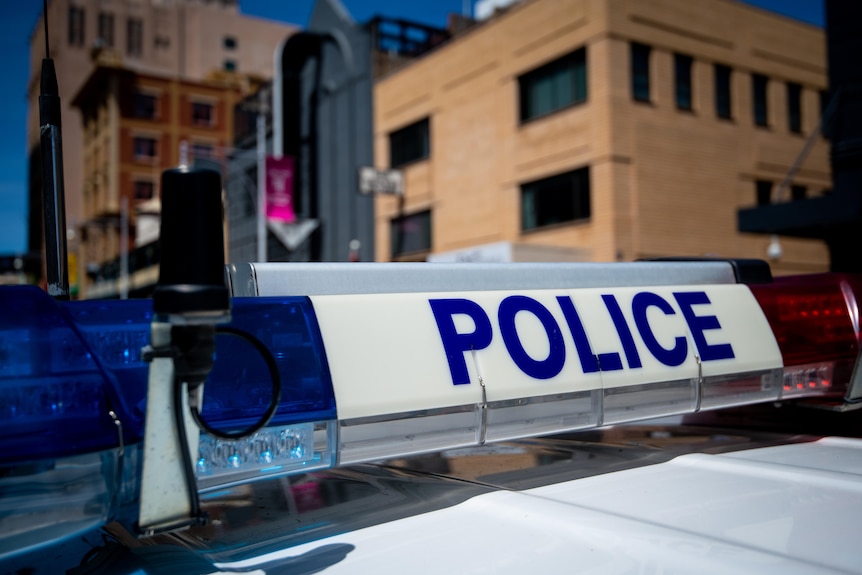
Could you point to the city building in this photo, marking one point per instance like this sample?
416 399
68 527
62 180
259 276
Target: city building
188 40
137 125
604 130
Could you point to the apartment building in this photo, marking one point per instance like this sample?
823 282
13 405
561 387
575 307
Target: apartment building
194 40
604 130
136 126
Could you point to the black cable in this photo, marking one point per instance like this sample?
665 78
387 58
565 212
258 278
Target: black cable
180 422
45 20
275 399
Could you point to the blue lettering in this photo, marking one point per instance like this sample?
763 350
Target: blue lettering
589 363
700 323
539 369
456 344
623 331
640 304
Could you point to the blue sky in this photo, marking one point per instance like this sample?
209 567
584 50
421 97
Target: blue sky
17 19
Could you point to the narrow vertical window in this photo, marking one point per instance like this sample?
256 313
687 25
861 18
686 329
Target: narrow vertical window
106 29
682 81
794 107
798 192
76 26
640 55
759 85
763 189
134 37
723 107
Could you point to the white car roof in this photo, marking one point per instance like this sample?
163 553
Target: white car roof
787 509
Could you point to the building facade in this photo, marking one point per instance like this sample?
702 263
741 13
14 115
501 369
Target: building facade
193 40
612 129
136 126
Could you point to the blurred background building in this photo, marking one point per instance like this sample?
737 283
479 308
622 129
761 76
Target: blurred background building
603 130
206 42
543 130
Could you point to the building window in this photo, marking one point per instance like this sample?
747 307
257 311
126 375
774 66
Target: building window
798 192
106 29
144 148
230 65
144 190
640 71
202 114
411 233
763 189
203 151
76 26
145 106
682 80
555 200
135 37
409 144
759 84
794 107
554 86
723 107
229 43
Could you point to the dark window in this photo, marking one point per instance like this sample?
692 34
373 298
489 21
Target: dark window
145 148
162 42
106 29
409 144
202 114
554 86
640 71
144 190
134 37
411 233
794 107
229 43
797 192
145 106
723 106
759 84
825 121
763 189
230 65
554 200
202 151
682 80
76 26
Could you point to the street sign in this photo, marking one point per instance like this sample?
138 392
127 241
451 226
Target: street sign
374 181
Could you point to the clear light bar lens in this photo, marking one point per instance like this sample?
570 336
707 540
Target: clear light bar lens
808 380
272 451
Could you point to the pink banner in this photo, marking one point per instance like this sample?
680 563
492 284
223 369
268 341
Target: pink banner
279 189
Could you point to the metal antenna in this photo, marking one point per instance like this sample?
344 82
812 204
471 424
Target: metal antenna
53 193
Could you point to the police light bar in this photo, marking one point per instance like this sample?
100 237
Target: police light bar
381 373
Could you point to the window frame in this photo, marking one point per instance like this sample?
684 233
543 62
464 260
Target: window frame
106 28
423 126
145 157
723 79
424 217
575 63
794 107
760 99
640 56
134 37
578 179
137 197
138 99
77 25
685 83
200 121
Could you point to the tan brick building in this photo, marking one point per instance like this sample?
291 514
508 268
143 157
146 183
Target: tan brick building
135 127
604 130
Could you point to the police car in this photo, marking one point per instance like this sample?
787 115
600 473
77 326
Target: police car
648 417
